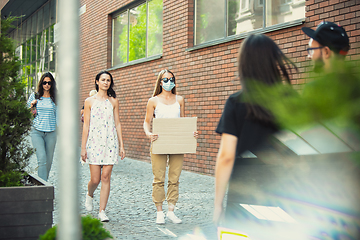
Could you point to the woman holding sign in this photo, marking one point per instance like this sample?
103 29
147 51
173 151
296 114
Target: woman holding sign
165 104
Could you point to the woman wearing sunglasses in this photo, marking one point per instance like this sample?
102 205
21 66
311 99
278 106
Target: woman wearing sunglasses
165 104
43 131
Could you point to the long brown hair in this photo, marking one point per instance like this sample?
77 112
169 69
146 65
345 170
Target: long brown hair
40 89
158 88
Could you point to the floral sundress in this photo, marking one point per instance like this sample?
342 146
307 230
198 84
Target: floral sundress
102 146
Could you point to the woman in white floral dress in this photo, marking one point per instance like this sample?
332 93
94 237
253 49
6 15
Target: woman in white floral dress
101 140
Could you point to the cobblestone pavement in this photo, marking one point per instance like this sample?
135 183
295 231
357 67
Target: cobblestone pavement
131 210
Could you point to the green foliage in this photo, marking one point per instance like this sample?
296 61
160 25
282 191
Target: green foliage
11 179
15 117
50 234
137 37
92 229
155 27
329 96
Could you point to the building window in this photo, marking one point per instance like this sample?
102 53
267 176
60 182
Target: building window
35 44
137 32
217 19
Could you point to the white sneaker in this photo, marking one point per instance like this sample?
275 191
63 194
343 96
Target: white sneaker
160 217
171 215
103 216
88 203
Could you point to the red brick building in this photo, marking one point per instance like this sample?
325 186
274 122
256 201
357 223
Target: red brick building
199 42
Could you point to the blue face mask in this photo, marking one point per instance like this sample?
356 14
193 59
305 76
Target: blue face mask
168 86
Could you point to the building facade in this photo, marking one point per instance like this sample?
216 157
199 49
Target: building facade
34 36
198 40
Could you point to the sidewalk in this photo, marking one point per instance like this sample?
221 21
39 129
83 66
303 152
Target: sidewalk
131 210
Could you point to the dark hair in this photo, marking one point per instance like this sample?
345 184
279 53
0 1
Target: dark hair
110 91
40 89
261 60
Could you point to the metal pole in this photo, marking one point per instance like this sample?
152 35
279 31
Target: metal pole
69 223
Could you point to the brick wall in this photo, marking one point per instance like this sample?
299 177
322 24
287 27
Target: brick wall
205 77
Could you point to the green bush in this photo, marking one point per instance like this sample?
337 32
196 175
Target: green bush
11 179
92 229
15 117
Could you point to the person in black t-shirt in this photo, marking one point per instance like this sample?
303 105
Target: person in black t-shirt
244 126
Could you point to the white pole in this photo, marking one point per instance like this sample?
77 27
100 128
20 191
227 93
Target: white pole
68 65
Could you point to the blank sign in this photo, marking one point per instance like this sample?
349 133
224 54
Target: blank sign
176 135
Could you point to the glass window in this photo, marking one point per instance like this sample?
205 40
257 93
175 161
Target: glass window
210 20
46 42
52 48
137 32
32 86
38 45
36 35
17 36
46 63
120 39
28 45
28 29
33 25
52 62
23 31
46 15
33 49
137 36
51 35
40 20
233 13
155 39
212 17
52 12
33 68
38 66
23 53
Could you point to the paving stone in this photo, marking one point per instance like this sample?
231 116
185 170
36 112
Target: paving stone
131 210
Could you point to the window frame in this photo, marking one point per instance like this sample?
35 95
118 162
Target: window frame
226 38
126 9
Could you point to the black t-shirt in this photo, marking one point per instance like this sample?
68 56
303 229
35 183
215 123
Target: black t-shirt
251 134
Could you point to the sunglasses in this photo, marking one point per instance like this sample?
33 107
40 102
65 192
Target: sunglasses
165 80
44 83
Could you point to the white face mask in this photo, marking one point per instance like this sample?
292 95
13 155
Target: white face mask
169 85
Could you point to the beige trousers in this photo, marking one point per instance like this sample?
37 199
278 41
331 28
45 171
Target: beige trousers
158 162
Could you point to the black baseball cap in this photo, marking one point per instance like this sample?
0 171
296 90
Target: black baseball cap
331 35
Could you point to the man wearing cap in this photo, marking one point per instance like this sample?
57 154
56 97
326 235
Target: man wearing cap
327 42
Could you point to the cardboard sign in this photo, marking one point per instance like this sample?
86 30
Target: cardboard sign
176 135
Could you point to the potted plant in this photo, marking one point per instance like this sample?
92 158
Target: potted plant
25 211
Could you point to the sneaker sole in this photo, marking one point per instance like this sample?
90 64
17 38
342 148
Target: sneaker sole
176 222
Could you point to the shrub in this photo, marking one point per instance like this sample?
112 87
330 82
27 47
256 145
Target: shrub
92 229
15 117
11 179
